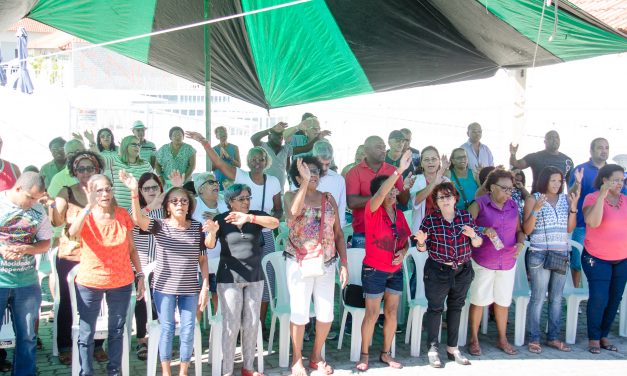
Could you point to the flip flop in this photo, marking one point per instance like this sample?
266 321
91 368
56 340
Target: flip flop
559 345
508 349
392 363
474 349
594 350
321 366
534 347
609 347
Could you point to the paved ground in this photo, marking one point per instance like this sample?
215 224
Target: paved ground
493 361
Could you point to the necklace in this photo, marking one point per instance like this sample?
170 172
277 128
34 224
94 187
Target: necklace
617 205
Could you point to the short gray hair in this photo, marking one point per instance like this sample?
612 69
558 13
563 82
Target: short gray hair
97 177
323 149
259 150
30 179
234 191
73 146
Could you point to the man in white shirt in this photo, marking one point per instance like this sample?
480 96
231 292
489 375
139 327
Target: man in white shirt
331 181
479 155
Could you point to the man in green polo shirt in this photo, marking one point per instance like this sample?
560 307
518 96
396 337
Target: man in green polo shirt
147 149
50 169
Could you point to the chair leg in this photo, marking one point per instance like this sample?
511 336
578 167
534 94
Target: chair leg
484 320
416 331
273 321
125 351
260 351
197 350
76 367
216 349
572 308
409 323
622 320
358 318
520 317
342 327
153 350
284 341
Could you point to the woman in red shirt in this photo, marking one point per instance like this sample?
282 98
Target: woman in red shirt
387 236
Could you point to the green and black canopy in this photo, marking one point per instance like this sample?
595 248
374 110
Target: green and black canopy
320 50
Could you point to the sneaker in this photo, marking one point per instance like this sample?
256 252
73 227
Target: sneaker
141 350
348 329
332 335
306 338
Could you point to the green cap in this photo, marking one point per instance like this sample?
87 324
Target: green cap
138 125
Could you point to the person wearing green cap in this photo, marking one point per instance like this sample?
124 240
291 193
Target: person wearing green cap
147 149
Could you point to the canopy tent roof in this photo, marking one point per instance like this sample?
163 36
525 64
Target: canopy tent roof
322 50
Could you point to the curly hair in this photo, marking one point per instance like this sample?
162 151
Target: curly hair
95 158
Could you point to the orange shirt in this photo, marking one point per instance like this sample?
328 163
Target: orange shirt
105 255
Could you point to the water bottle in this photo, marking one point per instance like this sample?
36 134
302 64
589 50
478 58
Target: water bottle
496 241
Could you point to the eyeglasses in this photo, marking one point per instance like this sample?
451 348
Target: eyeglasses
243 198
101 191
176 201
445 197
509 190
136 144
151 188
86 169
257 160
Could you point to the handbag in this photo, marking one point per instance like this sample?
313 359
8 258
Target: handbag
354 296
556 262
311 262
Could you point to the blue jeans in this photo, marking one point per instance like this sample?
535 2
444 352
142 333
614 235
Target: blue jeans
24 303
606 283
89 301
166 306
579 234
540 281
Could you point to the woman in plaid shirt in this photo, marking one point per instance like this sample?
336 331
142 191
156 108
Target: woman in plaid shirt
447 234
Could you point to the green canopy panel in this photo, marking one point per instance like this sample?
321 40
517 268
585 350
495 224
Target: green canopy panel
330 49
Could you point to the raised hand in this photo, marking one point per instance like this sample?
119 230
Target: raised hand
513 149
574 199
539 202
237 218
605 188
176 179
408 182
405 161
444 165
303 170
469 231
196 136
579 175
324 134
77 136
157 202
128 180
279 127
91 194
211 226
89 135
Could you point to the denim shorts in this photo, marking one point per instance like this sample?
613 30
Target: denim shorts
376 282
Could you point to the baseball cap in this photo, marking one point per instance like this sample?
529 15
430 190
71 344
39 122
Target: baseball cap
201 178
396 135
138 125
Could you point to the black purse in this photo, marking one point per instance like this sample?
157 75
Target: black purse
354 296
554 261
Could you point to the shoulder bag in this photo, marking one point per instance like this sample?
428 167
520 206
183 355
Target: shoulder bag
554 261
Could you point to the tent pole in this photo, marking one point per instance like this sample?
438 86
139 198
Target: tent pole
207 47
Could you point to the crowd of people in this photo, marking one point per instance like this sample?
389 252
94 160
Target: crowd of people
122 211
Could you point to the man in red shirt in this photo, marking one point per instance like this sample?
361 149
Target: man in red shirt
358 185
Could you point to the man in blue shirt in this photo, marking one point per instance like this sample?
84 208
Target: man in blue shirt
599 152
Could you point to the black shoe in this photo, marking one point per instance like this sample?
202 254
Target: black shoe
40 345
458 358
332 335
348 330
5 366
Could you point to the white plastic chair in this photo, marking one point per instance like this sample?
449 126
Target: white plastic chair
573 297
102 326
154 331
56 300
622 323
348 231
280 241
521 296
7 335
418 304
279 305
355 259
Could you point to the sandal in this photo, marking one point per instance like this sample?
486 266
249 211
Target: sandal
142 351
391 363
65 358
362 365
299 371
246 372
594 350
321 366
100 355
559 345
507 349
534 347
474 349
608 347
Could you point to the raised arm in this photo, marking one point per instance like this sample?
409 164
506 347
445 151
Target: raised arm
140 219
190 167
77 224
530 212
593 214
295 202
256 138
228 170
238 219
389 183
516 163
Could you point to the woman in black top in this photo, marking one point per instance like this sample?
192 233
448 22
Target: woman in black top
240 277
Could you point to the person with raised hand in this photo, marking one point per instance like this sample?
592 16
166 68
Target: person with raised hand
604 258
240 276
107 251
448 234
549 216
387 242
180 244
315 233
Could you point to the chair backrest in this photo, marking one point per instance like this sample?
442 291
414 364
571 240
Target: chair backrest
280 241
408 215
355 260
279 296
7 335
283 229
569 286
348 231
419 259
71 277
521 283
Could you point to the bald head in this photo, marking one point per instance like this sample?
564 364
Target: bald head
552 141
374 147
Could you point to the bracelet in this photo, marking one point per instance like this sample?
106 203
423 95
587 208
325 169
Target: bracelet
395 173
86 211
139 276
534 213
254 219
573 211
343 262
53 205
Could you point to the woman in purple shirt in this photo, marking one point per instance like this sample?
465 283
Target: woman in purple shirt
494 262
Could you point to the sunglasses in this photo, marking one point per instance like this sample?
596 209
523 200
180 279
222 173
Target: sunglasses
151 188
88 169
243 198
176 201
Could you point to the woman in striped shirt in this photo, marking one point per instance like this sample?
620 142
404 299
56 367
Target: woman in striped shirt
180 244
129 161
549 216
